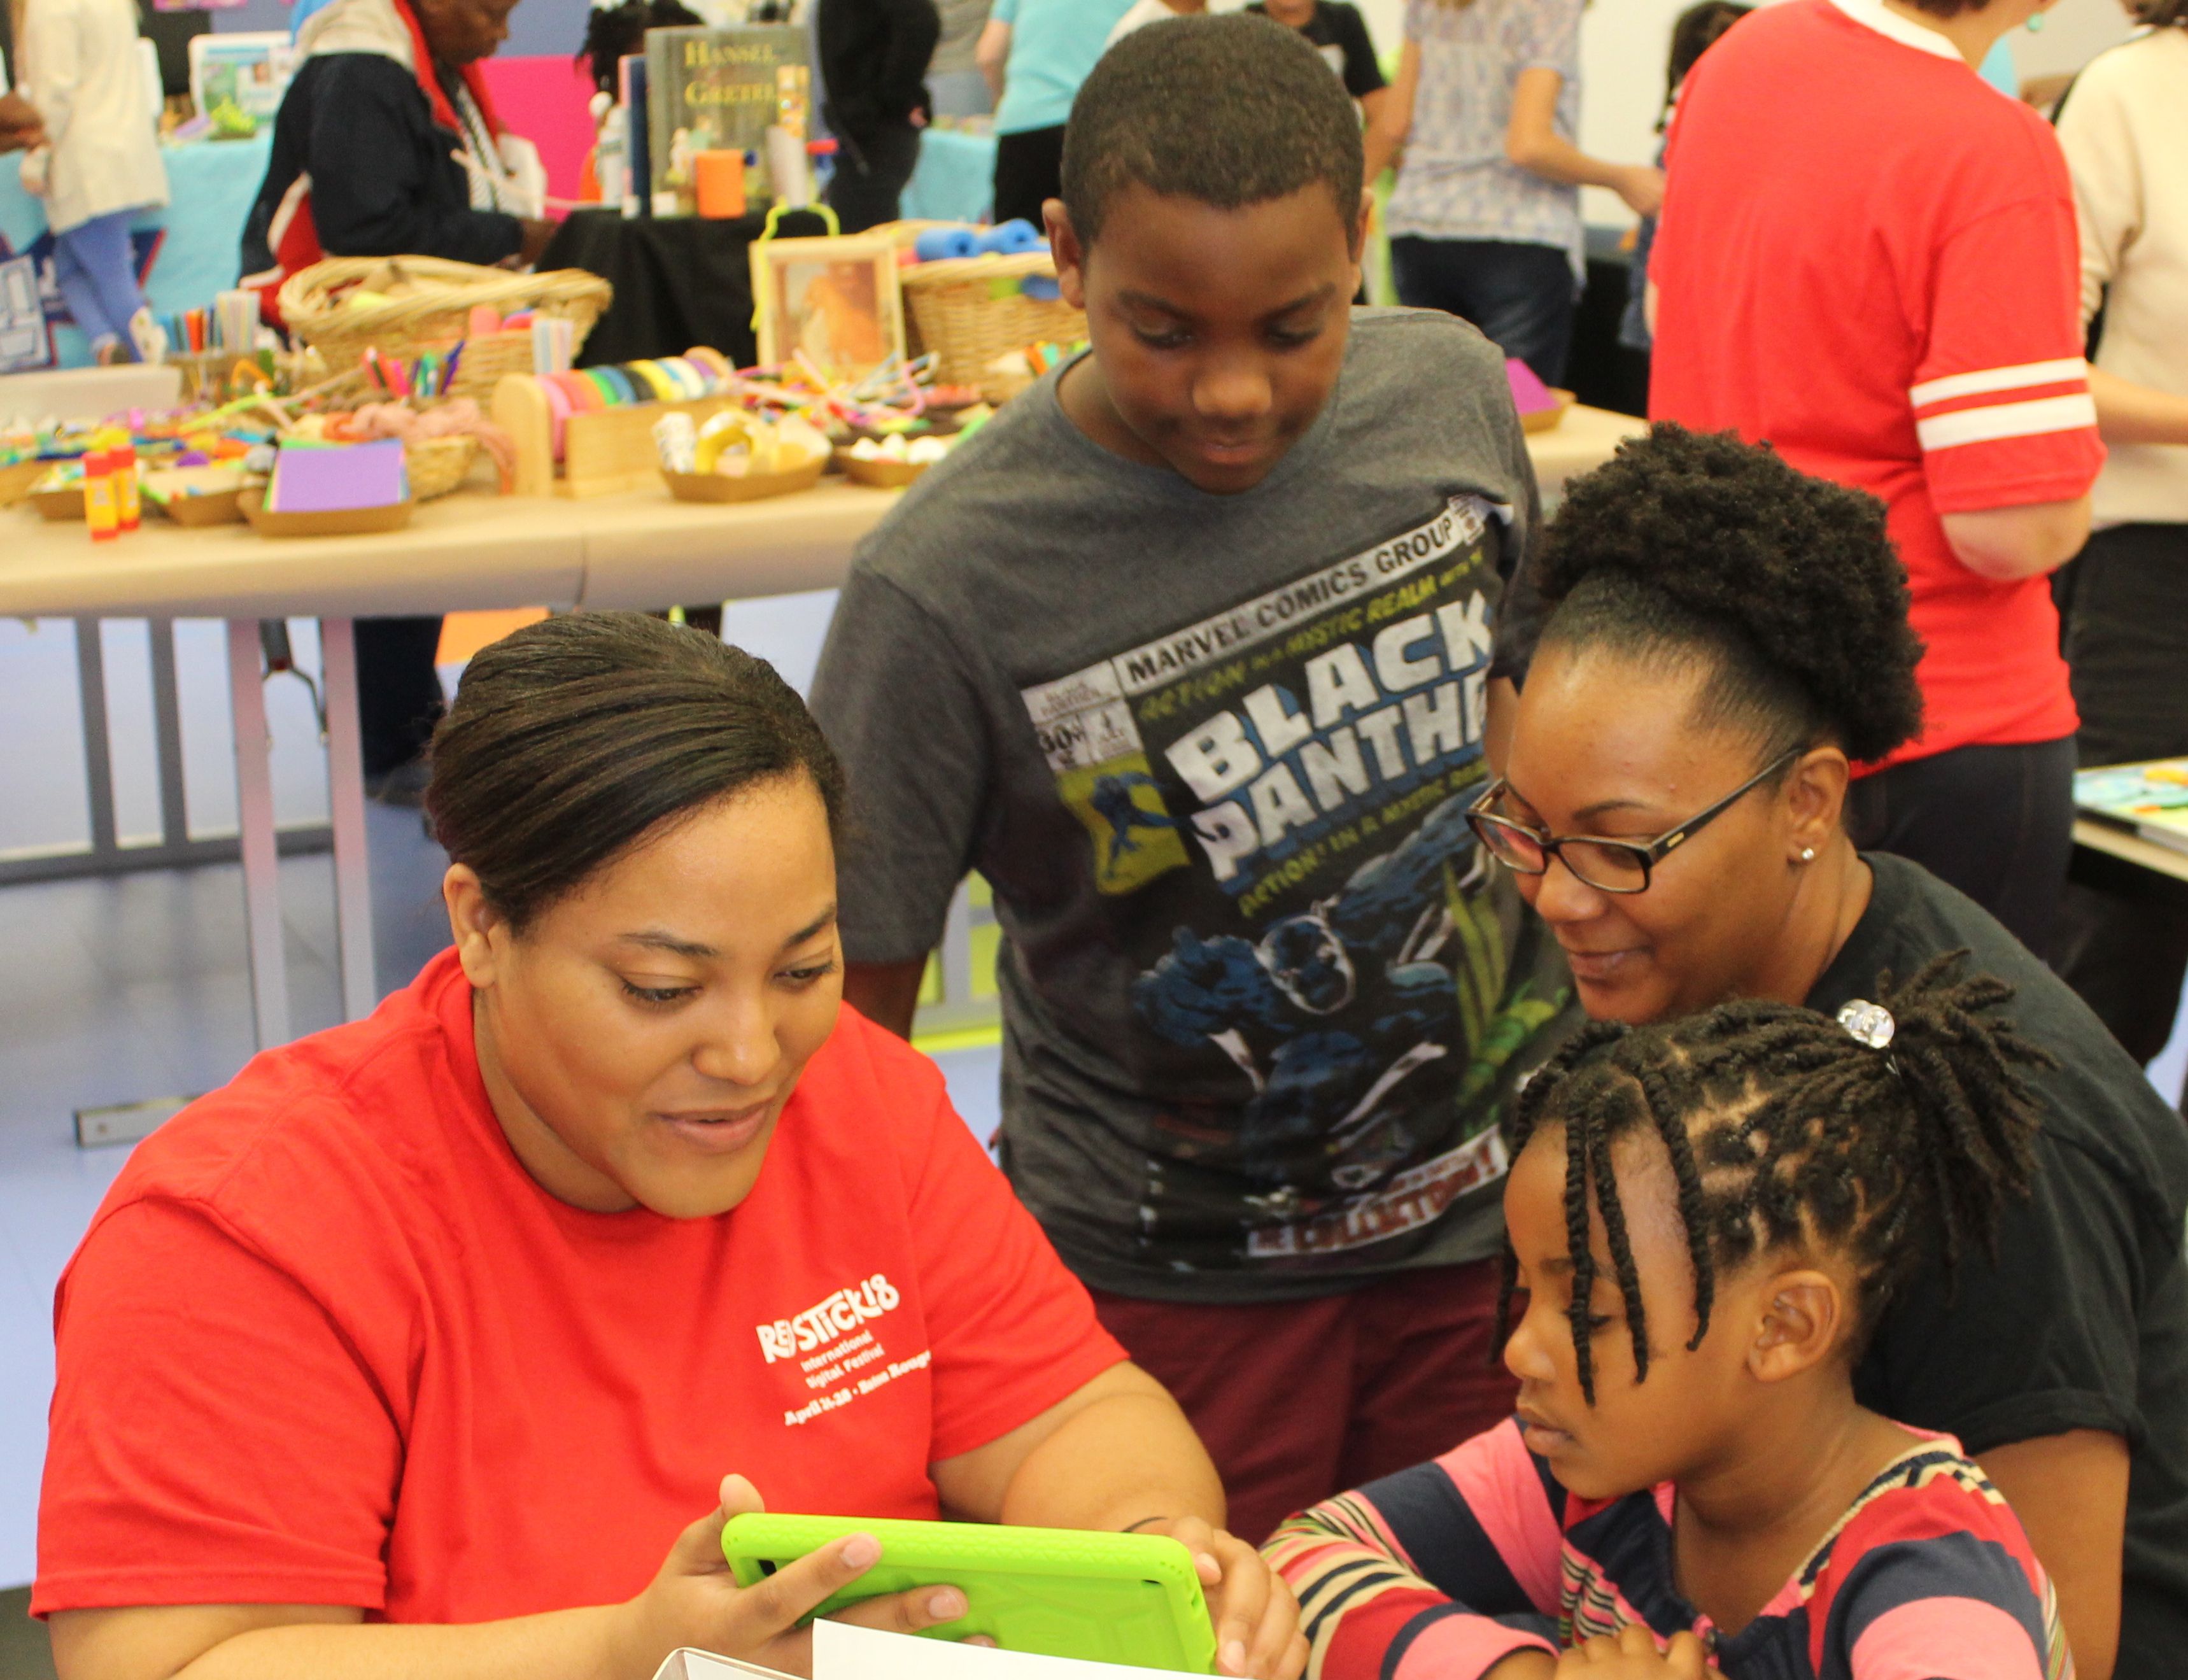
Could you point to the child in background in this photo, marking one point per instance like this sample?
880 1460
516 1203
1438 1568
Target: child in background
1338 31
99 166
612 34
1695 31
1145 12
1707 1218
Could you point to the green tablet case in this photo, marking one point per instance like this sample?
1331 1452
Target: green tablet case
1132 1599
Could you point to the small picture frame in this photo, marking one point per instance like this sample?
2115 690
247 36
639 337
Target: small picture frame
835 300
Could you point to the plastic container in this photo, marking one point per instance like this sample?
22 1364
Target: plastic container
128 497
720 177
102 509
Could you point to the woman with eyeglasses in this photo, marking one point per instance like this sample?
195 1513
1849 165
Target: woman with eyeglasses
1725 637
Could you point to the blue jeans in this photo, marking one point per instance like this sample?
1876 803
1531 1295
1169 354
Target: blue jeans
96 273
1521 297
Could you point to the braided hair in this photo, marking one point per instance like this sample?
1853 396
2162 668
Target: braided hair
1783 1128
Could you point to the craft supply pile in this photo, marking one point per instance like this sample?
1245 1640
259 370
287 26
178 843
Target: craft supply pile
413 378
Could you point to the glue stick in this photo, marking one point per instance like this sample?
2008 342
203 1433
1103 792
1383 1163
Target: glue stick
127 502
100 511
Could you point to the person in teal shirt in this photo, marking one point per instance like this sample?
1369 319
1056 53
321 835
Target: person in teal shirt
1034 54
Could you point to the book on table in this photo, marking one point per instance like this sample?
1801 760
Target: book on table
2147 800
721 90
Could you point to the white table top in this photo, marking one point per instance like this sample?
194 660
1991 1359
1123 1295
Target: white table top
464 552
2104 837
1582 442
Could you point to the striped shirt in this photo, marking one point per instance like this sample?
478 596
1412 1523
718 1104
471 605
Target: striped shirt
1443 1570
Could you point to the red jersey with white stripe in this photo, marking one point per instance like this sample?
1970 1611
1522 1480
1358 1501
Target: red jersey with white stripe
1868 259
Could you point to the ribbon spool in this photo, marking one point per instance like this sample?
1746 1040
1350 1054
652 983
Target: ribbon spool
704 372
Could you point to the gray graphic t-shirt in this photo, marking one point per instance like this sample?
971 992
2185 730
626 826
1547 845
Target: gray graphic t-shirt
1263 996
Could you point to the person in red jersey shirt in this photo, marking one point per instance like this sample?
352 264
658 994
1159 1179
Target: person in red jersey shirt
1868 259
425 1346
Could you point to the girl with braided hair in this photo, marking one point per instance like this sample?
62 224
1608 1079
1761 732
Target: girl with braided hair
1708 1217
1720 639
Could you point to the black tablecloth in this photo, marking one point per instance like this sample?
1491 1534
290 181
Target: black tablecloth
678 281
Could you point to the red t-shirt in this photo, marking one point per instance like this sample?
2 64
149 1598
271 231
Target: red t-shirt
327 1342
1868 259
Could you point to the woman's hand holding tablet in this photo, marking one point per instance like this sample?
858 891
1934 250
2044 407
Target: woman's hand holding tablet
696 1601
1139 1597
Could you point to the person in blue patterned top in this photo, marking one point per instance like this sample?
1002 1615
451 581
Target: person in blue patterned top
1485 220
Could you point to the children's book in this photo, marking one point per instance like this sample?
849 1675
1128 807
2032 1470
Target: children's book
635 97
2150 800
247 71
721 90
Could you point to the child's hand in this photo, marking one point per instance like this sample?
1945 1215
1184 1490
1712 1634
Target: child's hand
1632 1655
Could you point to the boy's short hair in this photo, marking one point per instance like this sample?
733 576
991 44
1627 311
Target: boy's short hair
1232 110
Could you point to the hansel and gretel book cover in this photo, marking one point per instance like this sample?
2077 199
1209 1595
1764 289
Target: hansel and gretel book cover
721 90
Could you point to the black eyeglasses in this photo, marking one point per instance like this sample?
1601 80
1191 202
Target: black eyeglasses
1607 865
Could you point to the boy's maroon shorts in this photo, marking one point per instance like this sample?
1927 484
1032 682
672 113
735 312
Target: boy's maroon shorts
1299 1399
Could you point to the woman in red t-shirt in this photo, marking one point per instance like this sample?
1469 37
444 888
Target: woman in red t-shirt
1867 260
421 1344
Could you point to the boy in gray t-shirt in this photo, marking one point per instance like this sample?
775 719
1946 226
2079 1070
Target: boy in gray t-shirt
1188 652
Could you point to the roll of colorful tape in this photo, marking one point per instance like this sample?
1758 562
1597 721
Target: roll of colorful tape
617 386
584 394
558 414
682 375
649 378
711 360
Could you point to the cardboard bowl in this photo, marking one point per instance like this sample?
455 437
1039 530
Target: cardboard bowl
218 507
720 486
196 495
17 478
882 474
1546 419
63 503
348 522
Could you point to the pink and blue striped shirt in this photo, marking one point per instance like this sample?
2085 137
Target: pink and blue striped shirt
1443 1570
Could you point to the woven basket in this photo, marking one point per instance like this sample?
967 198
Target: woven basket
437 466
969 310
430 300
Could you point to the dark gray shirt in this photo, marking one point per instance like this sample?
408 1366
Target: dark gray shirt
1263 997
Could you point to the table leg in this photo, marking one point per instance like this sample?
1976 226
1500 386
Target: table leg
254 813
98 763
345 805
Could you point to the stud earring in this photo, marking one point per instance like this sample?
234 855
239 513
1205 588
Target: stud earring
1807 854
2036 23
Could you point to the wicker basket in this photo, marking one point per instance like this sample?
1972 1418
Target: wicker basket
437 466
969 310
429 306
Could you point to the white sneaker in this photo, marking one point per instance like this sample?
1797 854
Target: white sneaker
149 337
